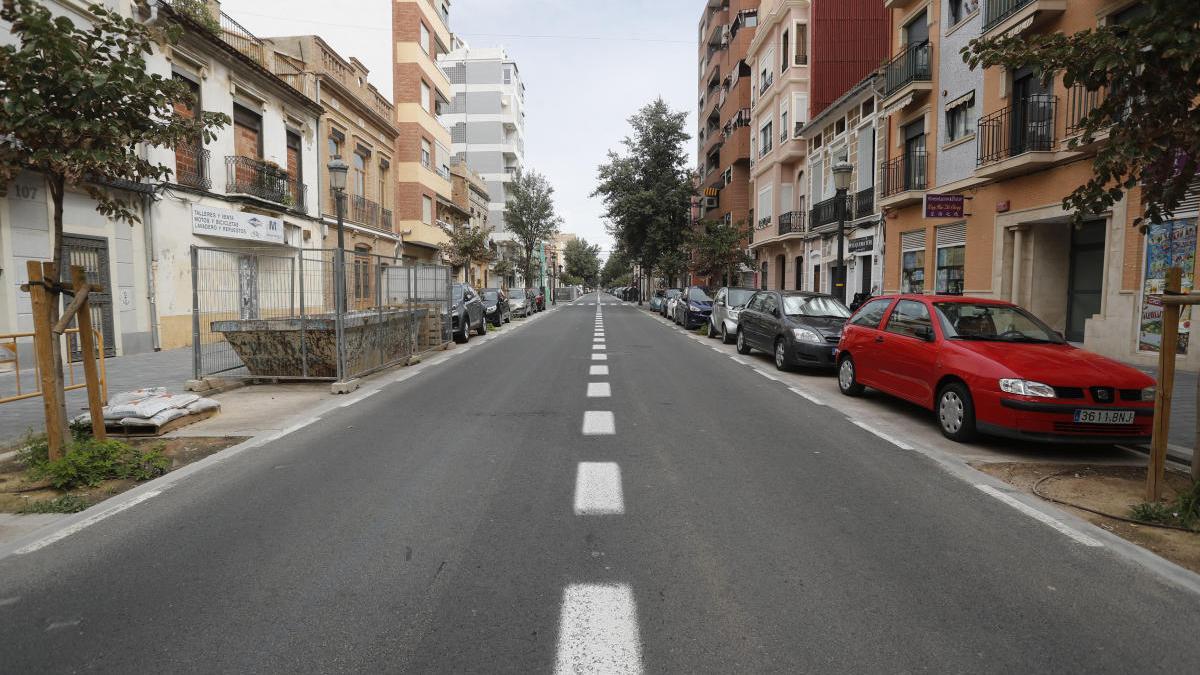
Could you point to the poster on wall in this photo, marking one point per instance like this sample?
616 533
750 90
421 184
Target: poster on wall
1169 244
217 222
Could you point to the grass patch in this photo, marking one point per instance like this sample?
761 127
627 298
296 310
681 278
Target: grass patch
63 504
702 330
88 462
1183 512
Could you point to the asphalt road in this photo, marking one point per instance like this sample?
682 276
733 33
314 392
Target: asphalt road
462 521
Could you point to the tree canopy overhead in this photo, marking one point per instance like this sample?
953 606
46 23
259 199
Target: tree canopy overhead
1144 67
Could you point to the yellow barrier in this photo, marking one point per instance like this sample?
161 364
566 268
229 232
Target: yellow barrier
9 344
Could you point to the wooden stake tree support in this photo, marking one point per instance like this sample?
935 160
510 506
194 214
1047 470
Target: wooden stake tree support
48 328
1173 299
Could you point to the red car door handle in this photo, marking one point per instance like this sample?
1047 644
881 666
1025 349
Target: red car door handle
879 338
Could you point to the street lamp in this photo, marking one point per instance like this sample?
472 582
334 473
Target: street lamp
841 181
337 182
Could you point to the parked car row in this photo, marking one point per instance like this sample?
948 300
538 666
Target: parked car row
471 310
981 366
623 292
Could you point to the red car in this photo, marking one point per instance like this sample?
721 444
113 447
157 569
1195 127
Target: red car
992 367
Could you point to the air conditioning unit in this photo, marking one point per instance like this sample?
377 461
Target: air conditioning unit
710 202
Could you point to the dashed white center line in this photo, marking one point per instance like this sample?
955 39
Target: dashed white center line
599 357
598 346
1040 517
598 630
598 370
599 390
598 489
598 339
599 423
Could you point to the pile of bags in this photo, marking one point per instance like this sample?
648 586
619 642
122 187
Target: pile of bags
147 410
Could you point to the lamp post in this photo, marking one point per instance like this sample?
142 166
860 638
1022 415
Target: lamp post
337 183
841 181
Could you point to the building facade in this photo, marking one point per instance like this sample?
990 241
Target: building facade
421 92
471 197
486 118
805 57
727 27
999 139
357 127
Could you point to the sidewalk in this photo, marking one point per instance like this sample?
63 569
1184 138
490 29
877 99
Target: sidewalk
1183 411
169 369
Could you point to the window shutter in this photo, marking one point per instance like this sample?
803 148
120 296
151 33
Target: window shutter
951 235
912 241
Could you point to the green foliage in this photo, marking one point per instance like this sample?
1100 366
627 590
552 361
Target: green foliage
616 271
1183 512
467 245
582 261
34 451
647 190
79 104
717 249
87 463
1147 73
62 504
197 10
530 216
1152 512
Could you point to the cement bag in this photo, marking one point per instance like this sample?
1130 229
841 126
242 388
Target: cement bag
136 395
125 404
154 405
202 405
154 422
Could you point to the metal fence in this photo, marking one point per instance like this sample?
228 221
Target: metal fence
313 314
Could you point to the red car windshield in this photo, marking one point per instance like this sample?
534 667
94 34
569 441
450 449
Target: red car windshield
999 323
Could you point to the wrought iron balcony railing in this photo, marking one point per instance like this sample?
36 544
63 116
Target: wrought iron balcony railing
996 11
249 176
1081 101
1026 126
826 211
791 222
362 211
191 166
904 173
864 202
912 65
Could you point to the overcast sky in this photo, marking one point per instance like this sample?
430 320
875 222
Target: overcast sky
587 67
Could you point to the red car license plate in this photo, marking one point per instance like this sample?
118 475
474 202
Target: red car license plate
1104 416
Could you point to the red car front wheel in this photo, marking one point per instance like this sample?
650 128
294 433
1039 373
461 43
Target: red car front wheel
956 412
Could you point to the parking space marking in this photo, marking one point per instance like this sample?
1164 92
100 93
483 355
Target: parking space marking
599 423
598 370
598 630
599 390
1040 517
890 439
805 395
598 489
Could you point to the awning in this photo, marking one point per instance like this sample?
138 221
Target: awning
899 105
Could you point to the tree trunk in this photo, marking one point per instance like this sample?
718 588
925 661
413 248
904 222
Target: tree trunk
52 296
57 183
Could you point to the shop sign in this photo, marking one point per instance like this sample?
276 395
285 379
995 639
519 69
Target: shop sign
212 221
944 206
1169 244
862 244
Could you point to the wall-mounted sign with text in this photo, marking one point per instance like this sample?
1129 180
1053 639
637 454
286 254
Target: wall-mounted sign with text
862 244
217 222
944 206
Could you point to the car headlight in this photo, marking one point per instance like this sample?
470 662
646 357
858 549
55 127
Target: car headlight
1149 393
806 335
733 313
694 308
492 308
1026 388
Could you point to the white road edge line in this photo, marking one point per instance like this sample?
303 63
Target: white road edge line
805 395
890 439
359 398
599 390
599 423
1037 515
598 631
598 489
86 522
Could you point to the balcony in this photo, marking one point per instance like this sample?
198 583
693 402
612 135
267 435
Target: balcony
1014 17
256 178
362 211
904 180
826 211
791 222
766 83
191 166
1017 139
908 75
898 4
864 203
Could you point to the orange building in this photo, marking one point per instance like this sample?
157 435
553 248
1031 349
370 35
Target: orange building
999 139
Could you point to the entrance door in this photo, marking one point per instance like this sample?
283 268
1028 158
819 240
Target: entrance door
780 271
816 279
1032 113
1087 277
799 272
864 264
91 253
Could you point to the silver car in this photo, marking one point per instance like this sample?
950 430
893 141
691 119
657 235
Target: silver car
727 305
519 303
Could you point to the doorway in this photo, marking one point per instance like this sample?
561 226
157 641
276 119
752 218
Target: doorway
780 271
864 266
799 272
91 253
1085 284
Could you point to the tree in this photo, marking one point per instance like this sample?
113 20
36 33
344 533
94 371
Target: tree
79 105
717 250
530 215
468 244
582 261
1145 72
647 191
616 270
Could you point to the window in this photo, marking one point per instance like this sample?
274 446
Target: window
960 118
785 61
958 11
764 140
816 141
424 38
425 97
770 303
247 130
783 124
358 175
335 147
426 154
910 318
384 165
912 262
951 257
801 33
871 313
507 74
839 127
868 107
362 273
426 210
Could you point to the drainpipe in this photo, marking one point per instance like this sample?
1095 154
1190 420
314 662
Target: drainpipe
317 142
1018 241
